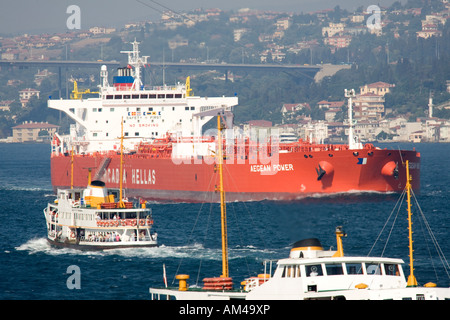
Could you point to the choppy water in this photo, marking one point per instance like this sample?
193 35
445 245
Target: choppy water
189 234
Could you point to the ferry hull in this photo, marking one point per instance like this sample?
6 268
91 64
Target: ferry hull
75 245
294 175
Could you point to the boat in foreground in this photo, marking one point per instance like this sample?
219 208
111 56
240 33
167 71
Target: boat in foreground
312 273
91 219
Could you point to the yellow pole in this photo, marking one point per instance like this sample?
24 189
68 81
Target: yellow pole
121 204
71 170
340 247
412 282
223 211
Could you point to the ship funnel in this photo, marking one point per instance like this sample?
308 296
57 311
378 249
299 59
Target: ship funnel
307 248
96 193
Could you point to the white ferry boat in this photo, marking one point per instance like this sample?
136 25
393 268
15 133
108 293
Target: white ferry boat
312 273
91 218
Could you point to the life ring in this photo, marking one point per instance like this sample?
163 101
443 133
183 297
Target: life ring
124 223
133 222
116 223
72 235
141 222
98 223
149 222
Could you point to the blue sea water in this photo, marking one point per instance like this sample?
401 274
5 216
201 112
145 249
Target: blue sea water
189 234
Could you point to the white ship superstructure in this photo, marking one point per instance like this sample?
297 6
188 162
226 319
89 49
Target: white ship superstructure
148 113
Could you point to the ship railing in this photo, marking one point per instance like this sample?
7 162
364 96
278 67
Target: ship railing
108 223
115 237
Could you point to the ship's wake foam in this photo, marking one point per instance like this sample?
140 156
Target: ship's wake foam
194 251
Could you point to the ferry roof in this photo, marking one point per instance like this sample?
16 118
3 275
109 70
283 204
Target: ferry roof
307 261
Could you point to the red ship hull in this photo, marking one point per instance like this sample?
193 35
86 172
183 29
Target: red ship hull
296 175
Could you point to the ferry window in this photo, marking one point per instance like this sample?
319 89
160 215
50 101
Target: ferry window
391 269
94 110
178 95
192 108
314 270
152 96
135 96
94 134
109 97
136 134
291 272
150 109
160 96
144 96
334 269
126 134
373 268
118 96
169 96
138 109
99 109
186 108
111 109
354 268
126 96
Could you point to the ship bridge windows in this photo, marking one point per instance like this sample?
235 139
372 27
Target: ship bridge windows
373 268
118 96
169 96
126 96
291 271
144 96
354 268
391 269
109 97
334 269
314 270
161 96
134 96
152 96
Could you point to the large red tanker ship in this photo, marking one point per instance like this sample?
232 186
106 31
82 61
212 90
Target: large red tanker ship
168 157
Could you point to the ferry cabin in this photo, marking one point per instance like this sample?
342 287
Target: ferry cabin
329 278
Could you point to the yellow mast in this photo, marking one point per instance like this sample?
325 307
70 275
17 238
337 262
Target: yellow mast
223 211
121 204
412 282
71 170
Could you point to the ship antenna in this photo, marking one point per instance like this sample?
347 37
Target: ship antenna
412 282
349 94
223 211
136 62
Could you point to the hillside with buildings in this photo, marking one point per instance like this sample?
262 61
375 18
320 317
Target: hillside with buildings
399 67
